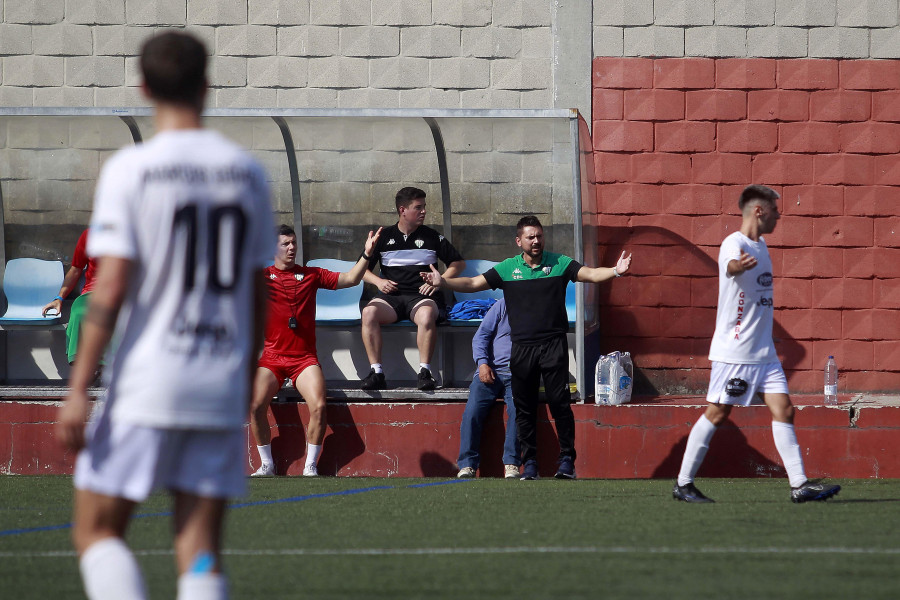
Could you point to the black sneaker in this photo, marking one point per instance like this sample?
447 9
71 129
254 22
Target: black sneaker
374 381
689 493
529 470
425 380
813 491
566 468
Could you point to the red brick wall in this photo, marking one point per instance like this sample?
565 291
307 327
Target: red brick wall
676 140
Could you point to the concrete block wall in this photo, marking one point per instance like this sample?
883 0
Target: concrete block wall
288 53
681 131
747 28
675 141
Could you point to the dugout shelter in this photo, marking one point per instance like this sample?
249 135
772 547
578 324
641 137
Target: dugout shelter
334 173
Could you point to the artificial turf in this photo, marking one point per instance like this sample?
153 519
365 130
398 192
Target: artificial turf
490 538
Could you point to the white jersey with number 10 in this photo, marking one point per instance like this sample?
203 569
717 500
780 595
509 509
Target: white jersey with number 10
191 211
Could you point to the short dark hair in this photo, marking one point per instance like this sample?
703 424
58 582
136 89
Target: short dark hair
757 192
286 230
407 195
174 68
527 221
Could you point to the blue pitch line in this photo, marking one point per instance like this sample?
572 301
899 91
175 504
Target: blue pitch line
35 529
312 496
433 483
245 504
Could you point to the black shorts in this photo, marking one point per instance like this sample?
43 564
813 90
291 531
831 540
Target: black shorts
404 303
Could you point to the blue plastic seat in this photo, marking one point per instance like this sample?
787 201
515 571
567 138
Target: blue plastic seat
29 284
571 309
337 307
474 268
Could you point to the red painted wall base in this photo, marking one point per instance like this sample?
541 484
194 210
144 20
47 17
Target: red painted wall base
643 440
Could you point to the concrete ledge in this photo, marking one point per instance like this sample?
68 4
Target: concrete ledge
388 437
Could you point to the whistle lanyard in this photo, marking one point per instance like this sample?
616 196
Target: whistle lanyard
293 300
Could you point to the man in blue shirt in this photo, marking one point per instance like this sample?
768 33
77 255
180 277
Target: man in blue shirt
490 348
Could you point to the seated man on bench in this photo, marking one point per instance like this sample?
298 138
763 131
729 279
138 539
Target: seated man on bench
406 250
290 348
80 264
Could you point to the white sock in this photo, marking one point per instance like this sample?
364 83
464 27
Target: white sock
202 586
789 450
312 454
695 452
425 366
265 454
110 571
377 368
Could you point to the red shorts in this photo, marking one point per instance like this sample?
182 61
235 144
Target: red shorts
284 367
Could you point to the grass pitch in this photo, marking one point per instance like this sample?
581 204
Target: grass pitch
489 538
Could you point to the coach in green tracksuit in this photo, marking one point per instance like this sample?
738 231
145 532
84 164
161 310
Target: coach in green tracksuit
534 286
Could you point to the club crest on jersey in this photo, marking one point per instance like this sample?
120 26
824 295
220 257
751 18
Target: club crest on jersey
298 276
546 270
736 387
419 243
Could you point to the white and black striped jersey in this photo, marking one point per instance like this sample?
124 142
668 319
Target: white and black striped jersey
404 257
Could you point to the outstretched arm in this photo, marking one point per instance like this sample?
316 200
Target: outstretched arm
601 274
453 269
355 275
738 266
457 284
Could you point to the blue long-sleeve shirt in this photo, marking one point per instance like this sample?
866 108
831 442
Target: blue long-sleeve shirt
492 344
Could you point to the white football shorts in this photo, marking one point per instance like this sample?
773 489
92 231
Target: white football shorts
131 461
738 385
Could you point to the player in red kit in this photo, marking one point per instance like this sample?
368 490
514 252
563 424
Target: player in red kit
290 347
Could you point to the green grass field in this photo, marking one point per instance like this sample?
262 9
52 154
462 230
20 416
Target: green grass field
489 538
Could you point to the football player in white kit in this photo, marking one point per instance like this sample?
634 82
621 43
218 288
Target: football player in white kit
745 366
182 229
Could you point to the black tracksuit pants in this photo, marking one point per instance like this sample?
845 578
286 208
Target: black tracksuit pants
529 363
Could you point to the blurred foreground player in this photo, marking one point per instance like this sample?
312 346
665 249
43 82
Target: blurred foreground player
745 366
182 229
290 347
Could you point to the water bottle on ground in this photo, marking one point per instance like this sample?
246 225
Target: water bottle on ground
831 379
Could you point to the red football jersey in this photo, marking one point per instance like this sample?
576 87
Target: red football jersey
292 293
80 260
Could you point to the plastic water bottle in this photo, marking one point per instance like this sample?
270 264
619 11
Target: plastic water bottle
627 378
831 379
603 388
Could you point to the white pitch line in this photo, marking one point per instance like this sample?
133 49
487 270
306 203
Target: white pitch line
502 550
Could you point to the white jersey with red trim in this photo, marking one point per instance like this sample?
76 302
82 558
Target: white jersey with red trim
745 312
191 211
